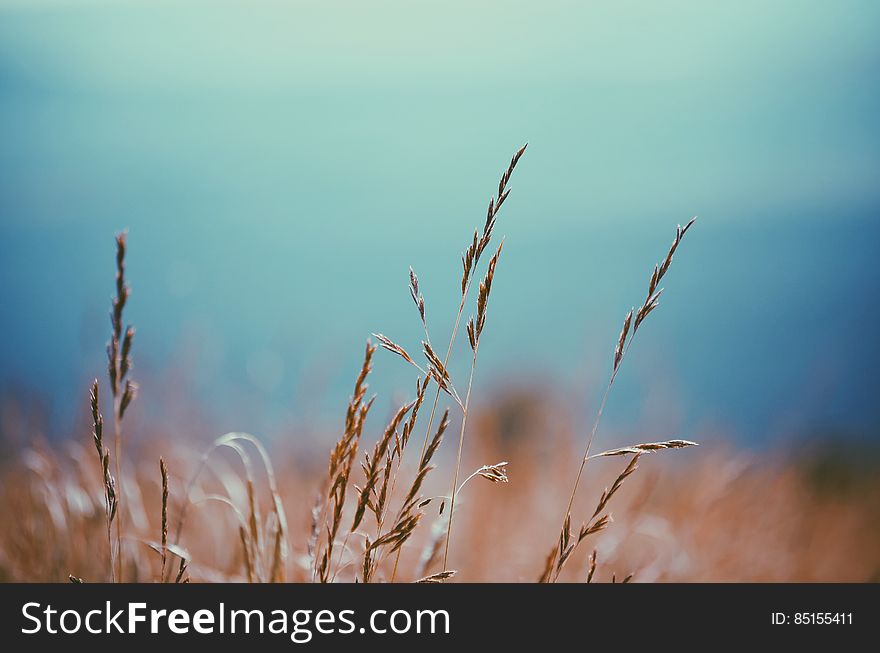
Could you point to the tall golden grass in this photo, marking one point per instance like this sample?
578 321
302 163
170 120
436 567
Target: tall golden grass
380 512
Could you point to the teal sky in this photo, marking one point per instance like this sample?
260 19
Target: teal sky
281 164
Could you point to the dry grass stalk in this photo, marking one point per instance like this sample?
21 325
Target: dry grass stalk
381 496
624 341
658 274
254 532
469 260
276 571
379 476
618 482
367 565
547 570
164 548
475 330
568 541
437 368
278 515
421 390
438 371
417 297
342 459
592 569
621 340
412 496
409 512
496 473
437 578
182 576
403 439
119 364
472 255
372 466
163 470
647 447
110 495
394 348
248 554
398 534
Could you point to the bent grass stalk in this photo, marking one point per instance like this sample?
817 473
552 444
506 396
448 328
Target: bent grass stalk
248 525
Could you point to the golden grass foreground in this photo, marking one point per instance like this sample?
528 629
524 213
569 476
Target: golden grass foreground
373 519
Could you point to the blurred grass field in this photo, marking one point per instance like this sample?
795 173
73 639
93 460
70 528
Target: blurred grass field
715 513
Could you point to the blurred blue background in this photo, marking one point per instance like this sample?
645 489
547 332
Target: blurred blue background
281 164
